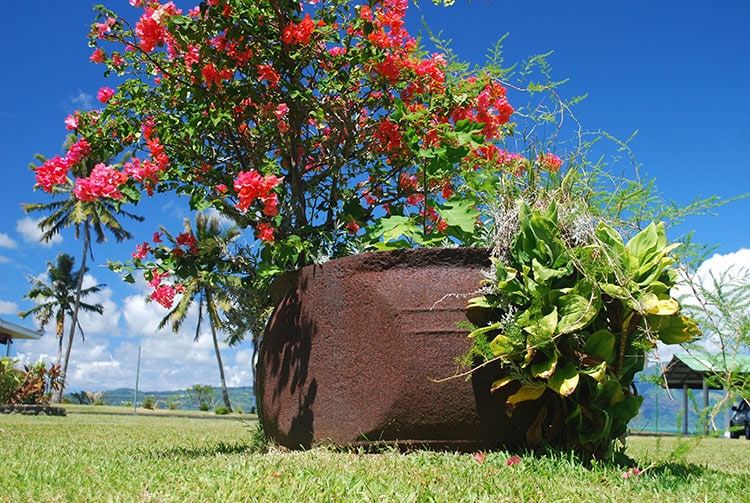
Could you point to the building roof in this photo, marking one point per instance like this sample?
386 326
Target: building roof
689 370
12 331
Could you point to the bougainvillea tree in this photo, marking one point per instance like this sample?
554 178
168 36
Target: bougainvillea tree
303 122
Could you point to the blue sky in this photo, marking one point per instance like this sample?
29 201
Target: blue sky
676 72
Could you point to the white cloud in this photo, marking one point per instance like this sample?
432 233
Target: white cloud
8 307
4 259
6 241
81 101
728 267
30 232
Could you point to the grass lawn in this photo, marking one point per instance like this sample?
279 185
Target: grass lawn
104 457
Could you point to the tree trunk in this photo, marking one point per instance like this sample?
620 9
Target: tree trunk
58 395
224 392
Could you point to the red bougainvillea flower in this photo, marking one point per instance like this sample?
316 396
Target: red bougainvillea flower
299 33
549 162
97 56
265 232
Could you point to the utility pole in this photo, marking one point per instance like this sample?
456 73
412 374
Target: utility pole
137 377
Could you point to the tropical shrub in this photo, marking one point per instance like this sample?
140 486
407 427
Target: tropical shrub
570 318
149 403
32 385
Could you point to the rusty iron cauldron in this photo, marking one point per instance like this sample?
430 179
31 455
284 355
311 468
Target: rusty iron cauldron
356 348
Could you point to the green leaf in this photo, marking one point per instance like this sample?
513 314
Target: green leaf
644 243
675 329
601 344
460 213
628 408
500 383
543 328
576 312
479 302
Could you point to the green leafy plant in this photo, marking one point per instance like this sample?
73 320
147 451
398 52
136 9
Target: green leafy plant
570 324
149 403
221 410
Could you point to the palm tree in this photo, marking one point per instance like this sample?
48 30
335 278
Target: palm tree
57 299
98 216
207 282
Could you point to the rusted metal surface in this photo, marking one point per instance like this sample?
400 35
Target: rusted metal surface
355 347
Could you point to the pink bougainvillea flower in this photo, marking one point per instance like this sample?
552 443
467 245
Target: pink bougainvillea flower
164 295
104 181
141 251
479 456
53 172
251 186
71 122
513 460
105 94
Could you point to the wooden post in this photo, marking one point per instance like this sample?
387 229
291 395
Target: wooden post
684 409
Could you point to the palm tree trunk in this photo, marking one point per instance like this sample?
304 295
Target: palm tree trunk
57 397
224 392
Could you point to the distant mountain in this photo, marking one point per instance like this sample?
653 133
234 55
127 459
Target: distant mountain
242 397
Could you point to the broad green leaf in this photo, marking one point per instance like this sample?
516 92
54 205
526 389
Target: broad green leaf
675 329
479 302
543 328
461 213
601 344
615 291
644 243
627 409
544 275
576 312
597 373
485 330
565 380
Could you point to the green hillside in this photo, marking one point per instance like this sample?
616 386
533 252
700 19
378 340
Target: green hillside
242 397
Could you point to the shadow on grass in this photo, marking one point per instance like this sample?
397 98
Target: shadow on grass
206 451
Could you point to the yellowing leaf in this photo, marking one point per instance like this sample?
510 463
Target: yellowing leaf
565 380
651 304
501 345
501 383
545 368
526 393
